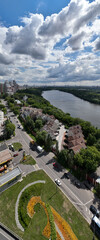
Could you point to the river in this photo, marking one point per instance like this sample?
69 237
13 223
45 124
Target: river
77 107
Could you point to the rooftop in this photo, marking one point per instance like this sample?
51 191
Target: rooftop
10 175
5 156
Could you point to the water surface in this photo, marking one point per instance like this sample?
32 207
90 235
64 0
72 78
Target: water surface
77 107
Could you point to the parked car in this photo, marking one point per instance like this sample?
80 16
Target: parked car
55 165
20 149
11 147
16 154
40 149
94 210
77 184
87 185
57 181
66 175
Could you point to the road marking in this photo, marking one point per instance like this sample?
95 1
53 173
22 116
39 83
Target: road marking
88 202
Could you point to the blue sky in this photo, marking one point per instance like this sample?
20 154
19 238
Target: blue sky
50 42
12 10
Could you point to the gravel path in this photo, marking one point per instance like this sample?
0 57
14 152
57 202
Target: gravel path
17 203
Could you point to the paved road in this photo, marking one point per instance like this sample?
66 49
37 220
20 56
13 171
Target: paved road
81 198
5 236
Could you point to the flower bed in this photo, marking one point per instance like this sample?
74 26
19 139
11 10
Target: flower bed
63 226
58 236
61 223
30 209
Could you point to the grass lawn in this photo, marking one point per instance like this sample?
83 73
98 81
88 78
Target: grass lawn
28 161
17 145
49 195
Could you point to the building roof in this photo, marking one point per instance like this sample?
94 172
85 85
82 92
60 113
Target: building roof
75 139
18 101
10 176
5 156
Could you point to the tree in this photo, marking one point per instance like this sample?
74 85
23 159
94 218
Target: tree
97 145
38 124
40 137
70 159
29 124
48 143
63 157
91 140
97 188
57 149
88 159
9 129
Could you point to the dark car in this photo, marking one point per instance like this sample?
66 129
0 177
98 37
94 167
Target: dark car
20 149
94 211
87 185
66 175
16 154
55 165
77 184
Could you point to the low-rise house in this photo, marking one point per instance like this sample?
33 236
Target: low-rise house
32 112
5 155
51 126
18 102
75 139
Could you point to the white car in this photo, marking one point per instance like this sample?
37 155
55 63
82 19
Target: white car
57 181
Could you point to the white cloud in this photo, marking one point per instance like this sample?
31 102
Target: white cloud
32 45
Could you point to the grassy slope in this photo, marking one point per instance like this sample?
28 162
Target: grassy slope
55 198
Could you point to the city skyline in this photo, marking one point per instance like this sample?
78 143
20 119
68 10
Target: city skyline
50 42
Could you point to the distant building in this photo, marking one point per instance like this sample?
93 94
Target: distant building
9 87
1 88
25 98
18 102
1 118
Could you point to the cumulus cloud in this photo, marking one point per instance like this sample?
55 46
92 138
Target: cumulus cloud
5 59
4 71
36 41
84 68
92 12
60 24
97 47
39 36
75 42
